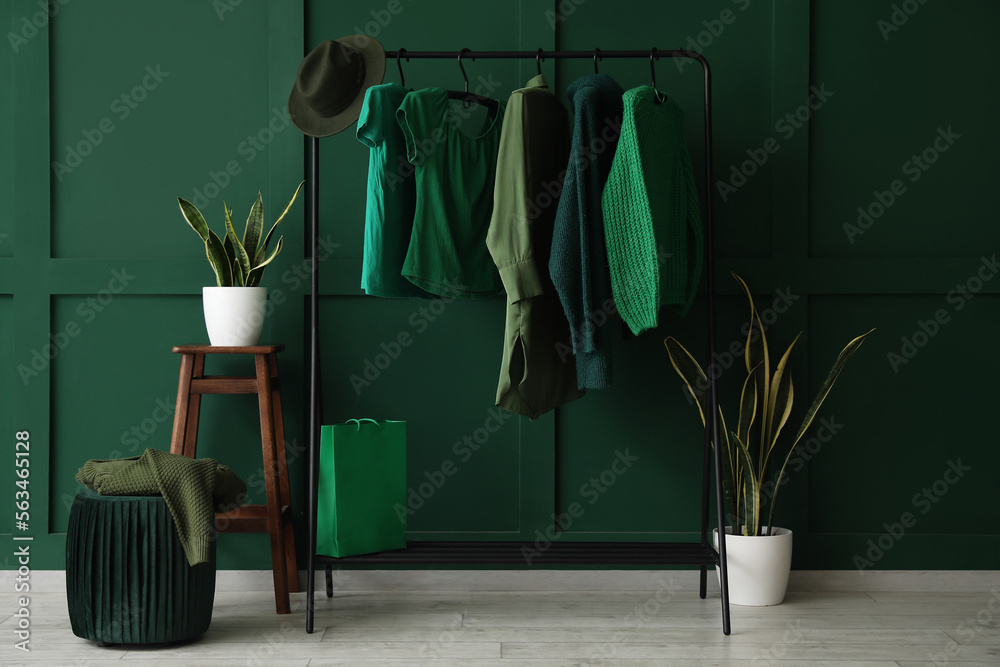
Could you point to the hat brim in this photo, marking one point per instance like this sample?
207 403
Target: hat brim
314 125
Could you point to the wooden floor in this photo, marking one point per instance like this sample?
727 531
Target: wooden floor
481 629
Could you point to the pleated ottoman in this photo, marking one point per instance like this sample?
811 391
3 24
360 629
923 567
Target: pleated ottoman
127 578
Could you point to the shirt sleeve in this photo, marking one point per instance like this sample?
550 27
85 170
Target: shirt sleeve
407 115
369 122
509 236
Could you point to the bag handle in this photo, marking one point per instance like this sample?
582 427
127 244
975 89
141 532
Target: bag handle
363 419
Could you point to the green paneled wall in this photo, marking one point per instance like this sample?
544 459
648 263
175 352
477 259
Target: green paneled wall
166 121
213 128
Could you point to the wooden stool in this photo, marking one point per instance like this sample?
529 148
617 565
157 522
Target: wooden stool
274 518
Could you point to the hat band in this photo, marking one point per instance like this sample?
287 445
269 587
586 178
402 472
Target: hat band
344 101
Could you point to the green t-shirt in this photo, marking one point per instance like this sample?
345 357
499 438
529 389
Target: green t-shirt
392 195
455 179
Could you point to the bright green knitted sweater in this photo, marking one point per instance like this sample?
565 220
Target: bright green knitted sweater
652 224
192 489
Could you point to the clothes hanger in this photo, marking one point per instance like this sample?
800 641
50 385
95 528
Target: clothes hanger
466 97
597 54
538 61
660 97
399 64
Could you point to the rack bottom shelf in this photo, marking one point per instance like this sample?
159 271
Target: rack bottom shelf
530 555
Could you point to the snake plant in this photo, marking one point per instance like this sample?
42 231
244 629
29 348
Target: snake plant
765 405
237 262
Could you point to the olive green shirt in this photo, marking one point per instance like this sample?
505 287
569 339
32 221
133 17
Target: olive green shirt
538 370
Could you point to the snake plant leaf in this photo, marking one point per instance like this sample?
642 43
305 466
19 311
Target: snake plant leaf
777 410
227 245
748 405
827 385
254 228
262 248
824 391
253 278
756 352
784 407
751 488
194 218
217 258
691 373
242 261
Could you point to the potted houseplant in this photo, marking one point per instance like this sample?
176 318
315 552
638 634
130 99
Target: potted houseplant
759 554
234 307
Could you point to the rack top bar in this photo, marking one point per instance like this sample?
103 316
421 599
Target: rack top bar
601 55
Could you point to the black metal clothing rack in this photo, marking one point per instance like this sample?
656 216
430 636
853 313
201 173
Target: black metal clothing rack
560 553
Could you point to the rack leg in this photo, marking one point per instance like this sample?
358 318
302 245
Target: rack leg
723 565
313 380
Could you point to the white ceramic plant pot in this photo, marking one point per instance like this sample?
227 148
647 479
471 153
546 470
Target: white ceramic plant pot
234 316
758 566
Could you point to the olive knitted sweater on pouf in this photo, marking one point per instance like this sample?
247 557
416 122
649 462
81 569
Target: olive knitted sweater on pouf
652 222
192 489
579 262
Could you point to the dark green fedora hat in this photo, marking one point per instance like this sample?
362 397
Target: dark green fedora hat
331 84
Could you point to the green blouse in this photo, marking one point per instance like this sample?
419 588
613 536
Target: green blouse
455 175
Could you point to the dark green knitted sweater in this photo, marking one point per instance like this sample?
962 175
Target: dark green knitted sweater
192 489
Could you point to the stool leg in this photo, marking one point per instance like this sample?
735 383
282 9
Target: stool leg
271 484
184 438
285 490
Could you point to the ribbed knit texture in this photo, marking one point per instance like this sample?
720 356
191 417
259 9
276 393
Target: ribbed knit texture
579 262
192 488
652 222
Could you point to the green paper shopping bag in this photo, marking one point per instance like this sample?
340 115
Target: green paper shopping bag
362 480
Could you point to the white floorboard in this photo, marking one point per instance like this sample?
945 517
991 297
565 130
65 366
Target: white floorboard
546 629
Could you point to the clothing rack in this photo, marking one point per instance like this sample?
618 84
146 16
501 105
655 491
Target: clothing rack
560 553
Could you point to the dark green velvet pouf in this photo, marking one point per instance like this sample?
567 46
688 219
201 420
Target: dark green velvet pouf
127 579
